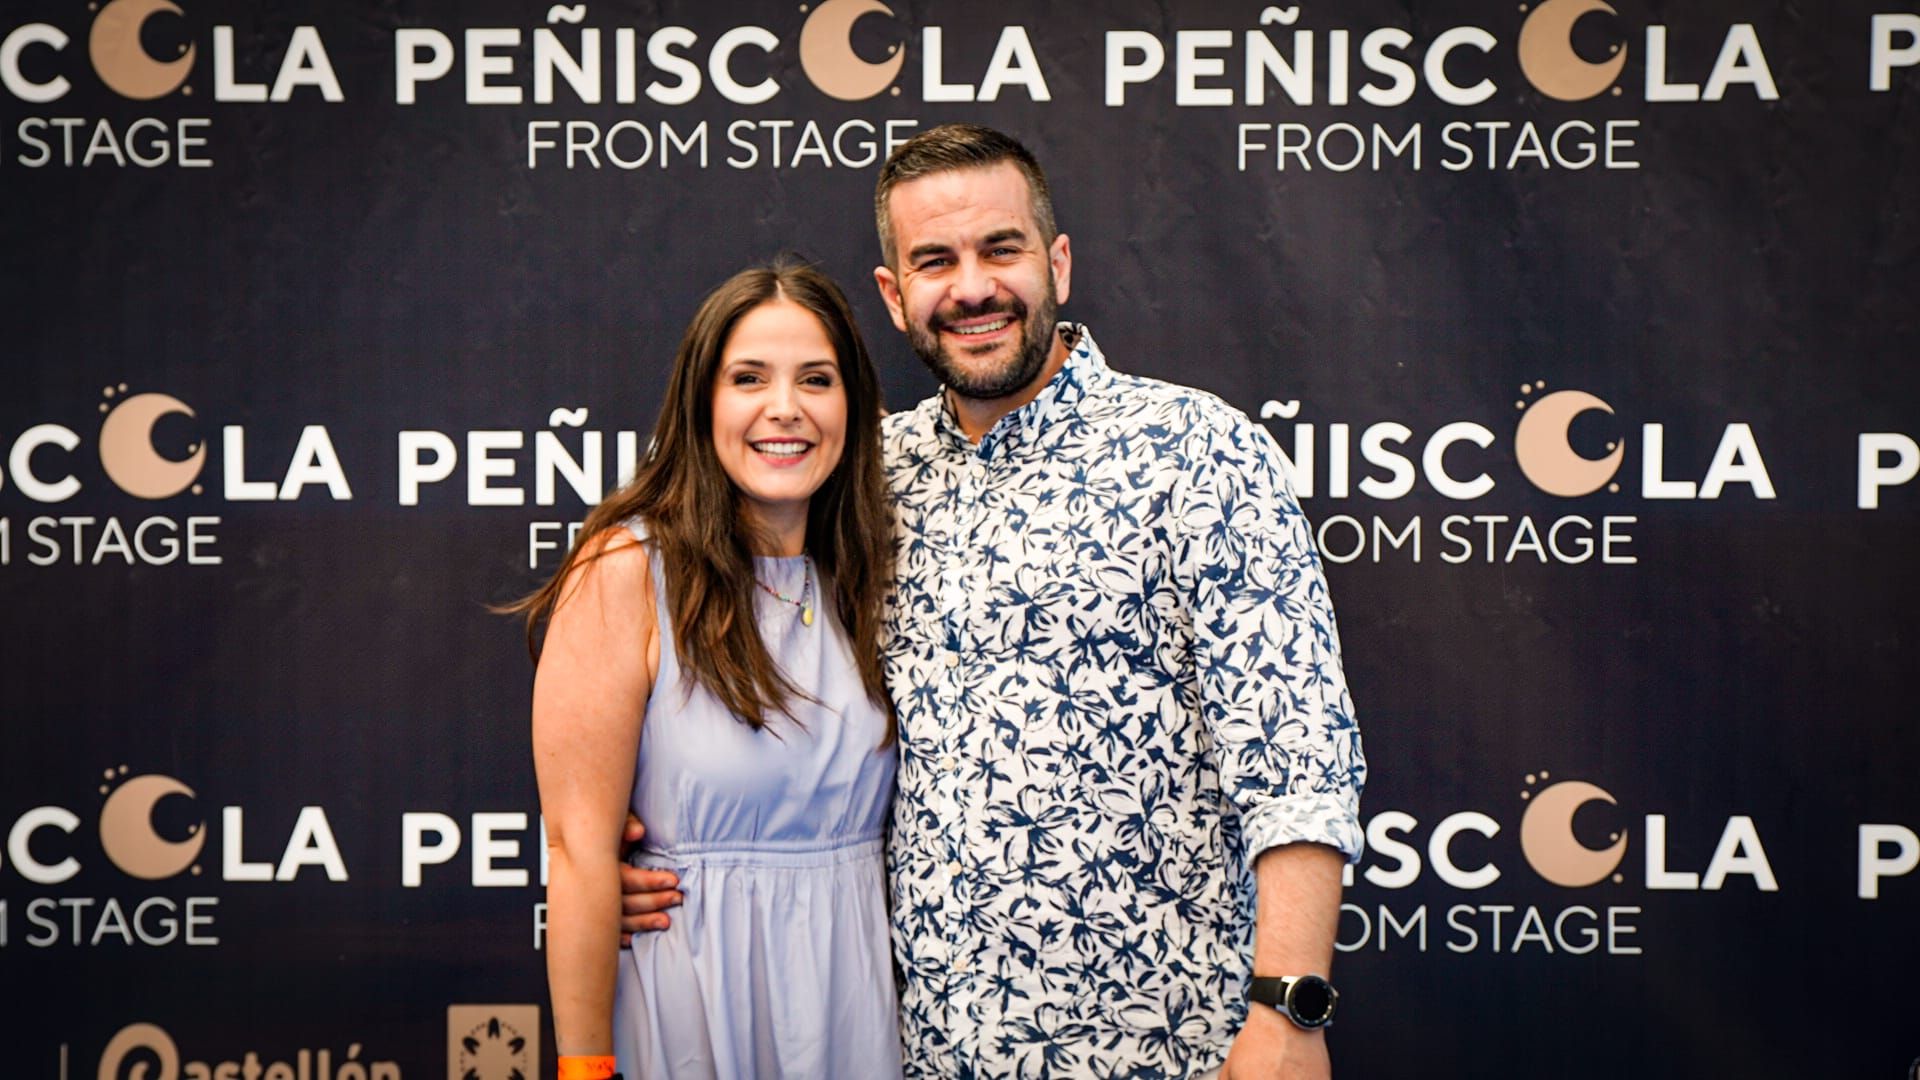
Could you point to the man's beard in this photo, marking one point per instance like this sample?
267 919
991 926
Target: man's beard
1036 341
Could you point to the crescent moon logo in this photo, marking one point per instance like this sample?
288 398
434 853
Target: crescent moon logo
1547 840
123 63
827 56
1546 51
126 829
127 453
1546 456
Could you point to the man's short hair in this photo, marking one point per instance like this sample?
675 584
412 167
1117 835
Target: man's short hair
958 146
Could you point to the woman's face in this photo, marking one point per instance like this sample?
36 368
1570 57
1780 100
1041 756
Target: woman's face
779 411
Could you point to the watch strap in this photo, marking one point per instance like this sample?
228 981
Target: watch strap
1270 990
1277 991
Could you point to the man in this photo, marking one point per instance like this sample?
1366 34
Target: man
1123 722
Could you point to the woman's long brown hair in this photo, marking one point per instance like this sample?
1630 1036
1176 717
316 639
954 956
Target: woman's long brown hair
691 511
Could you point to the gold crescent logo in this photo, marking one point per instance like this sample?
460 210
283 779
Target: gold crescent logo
1547 840
127 453
123 63
127 835
827 56
1546 51
1546 455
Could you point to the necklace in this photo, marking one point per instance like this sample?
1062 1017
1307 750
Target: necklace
805 603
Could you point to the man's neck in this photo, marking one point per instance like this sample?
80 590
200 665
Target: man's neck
978 415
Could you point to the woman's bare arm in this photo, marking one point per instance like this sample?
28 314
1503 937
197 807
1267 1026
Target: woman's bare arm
596 671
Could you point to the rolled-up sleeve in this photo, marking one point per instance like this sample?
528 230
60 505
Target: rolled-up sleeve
1266 651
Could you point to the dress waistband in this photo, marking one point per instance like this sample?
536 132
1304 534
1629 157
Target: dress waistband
761 853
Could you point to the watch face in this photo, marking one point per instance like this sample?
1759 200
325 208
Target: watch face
1311 1000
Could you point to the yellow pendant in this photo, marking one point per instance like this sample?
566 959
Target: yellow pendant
806 615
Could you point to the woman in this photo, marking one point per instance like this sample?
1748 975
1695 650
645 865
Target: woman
711 660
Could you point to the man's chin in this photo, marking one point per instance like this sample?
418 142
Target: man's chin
1001 381
984 356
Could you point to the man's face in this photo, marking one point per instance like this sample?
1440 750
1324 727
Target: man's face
976 287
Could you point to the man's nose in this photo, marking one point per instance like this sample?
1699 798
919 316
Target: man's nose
974 282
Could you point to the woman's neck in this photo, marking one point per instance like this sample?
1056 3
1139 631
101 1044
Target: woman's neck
775 535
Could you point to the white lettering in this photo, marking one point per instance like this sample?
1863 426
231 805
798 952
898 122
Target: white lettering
1882 55
1874 865
1874 474
416 852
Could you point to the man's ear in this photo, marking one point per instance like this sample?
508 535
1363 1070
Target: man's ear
889 285
1060 254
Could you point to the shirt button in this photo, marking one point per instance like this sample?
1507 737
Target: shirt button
953 659
947 763
954 868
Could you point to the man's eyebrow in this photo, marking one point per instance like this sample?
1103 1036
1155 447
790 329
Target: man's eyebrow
998 236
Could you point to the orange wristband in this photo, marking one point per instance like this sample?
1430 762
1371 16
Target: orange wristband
586 1066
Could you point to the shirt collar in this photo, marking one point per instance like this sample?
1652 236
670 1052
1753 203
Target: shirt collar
1085 371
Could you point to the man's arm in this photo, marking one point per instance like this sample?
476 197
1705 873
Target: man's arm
645 895
1294 924
1273 694
1266 649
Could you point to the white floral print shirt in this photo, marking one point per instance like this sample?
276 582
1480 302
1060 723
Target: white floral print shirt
1118 681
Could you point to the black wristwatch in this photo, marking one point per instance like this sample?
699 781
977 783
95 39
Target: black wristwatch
1307 1000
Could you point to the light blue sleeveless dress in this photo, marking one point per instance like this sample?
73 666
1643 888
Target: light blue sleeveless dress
778 963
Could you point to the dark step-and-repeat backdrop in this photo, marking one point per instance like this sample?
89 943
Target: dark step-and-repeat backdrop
1589 330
